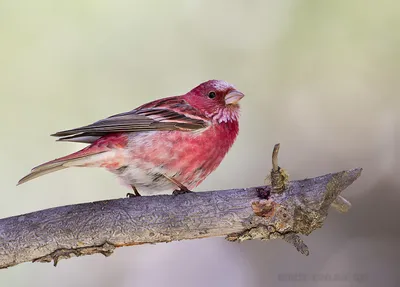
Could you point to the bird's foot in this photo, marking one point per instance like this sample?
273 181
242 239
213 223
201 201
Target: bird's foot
136 193
181 191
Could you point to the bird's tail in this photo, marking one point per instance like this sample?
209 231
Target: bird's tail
41 171
79 158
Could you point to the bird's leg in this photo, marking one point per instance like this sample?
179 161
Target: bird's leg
182 189
136 192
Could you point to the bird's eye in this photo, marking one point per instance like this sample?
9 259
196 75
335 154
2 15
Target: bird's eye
211 95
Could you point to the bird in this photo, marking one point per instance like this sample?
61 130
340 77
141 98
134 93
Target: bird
168 145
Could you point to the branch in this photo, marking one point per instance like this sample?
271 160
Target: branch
281 210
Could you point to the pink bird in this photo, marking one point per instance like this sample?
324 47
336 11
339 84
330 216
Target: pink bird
168 145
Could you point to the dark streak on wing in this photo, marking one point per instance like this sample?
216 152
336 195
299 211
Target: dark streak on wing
155 118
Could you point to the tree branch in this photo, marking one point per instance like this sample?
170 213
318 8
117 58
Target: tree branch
282 210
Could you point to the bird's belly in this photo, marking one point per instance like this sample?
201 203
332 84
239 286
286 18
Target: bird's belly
146 178
183 156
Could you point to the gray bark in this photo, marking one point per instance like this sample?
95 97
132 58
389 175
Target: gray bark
239 214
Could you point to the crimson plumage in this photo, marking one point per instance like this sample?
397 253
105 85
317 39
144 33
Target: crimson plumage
165 145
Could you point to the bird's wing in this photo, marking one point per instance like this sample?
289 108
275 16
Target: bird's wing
162 115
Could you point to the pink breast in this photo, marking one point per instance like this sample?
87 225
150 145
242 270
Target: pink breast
188 157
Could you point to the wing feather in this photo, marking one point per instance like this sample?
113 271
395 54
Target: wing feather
150 117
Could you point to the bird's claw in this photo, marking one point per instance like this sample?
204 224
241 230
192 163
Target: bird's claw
181 191
129 195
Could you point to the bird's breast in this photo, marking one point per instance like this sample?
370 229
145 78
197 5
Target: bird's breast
188 157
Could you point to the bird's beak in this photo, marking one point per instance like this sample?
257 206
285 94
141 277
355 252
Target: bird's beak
233 97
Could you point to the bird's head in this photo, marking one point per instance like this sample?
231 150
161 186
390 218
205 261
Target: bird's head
217 99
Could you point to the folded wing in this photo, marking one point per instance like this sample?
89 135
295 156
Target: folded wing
168 115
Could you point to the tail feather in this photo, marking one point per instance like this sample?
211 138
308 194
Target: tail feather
57 164
101 152
34 174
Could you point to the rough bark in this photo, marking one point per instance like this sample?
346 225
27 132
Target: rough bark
264 212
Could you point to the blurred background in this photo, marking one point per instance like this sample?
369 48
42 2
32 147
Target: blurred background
320 77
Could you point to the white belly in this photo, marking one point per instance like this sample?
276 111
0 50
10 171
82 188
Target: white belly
148 180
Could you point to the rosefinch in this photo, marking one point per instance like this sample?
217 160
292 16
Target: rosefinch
170 144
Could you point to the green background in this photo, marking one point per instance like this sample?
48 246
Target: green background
320 77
